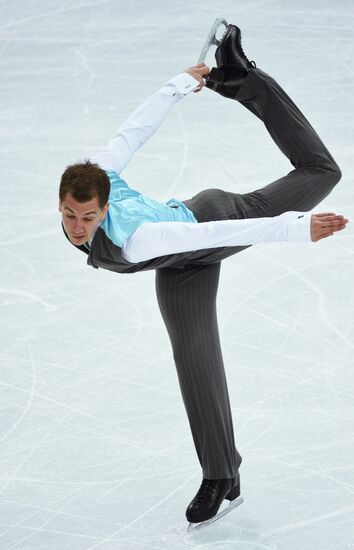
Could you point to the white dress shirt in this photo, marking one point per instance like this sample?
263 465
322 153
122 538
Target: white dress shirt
153 239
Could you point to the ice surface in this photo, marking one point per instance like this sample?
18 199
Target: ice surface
96 450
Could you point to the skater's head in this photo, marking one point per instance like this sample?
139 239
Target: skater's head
83 200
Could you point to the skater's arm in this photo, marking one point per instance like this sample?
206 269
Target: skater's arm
144 121
153 239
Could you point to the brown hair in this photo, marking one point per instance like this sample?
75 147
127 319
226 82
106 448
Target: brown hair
84 181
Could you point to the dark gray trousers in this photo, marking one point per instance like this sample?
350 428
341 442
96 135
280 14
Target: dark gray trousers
187 297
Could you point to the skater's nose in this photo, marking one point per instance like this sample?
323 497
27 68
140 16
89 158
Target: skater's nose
78 226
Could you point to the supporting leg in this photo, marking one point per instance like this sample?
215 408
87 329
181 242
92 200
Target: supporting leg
187 301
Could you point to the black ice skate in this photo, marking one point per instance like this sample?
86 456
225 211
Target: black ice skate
230 51
232 64
208 499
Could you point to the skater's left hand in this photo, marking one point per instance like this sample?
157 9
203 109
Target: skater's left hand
198 72
326 224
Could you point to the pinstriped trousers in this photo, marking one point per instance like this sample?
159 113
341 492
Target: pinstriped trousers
187 297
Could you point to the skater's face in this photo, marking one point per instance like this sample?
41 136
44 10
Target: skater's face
81 219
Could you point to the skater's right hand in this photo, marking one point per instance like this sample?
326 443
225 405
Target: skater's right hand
198 72
325 224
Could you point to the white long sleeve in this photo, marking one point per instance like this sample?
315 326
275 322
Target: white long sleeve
153 239
142 123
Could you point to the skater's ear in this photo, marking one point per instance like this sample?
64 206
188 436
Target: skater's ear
104 211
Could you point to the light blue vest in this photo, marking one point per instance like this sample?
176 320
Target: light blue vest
128 209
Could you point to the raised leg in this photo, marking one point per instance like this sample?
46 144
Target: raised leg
314 176
187 301
315 173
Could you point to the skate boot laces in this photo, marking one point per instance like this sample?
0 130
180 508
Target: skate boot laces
207 490
252 63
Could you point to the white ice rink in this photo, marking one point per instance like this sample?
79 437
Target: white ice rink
96 450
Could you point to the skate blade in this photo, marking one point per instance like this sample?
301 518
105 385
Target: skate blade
233 504
211 39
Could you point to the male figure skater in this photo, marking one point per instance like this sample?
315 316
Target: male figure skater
122 230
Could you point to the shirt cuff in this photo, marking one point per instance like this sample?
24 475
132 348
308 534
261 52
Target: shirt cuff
299 229
180 85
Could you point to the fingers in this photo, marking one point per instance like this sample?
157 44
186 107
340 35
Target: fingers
333 223
325 214
202 68
326 225
198 72
329 229
330 216
199 67
329 222
203 71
